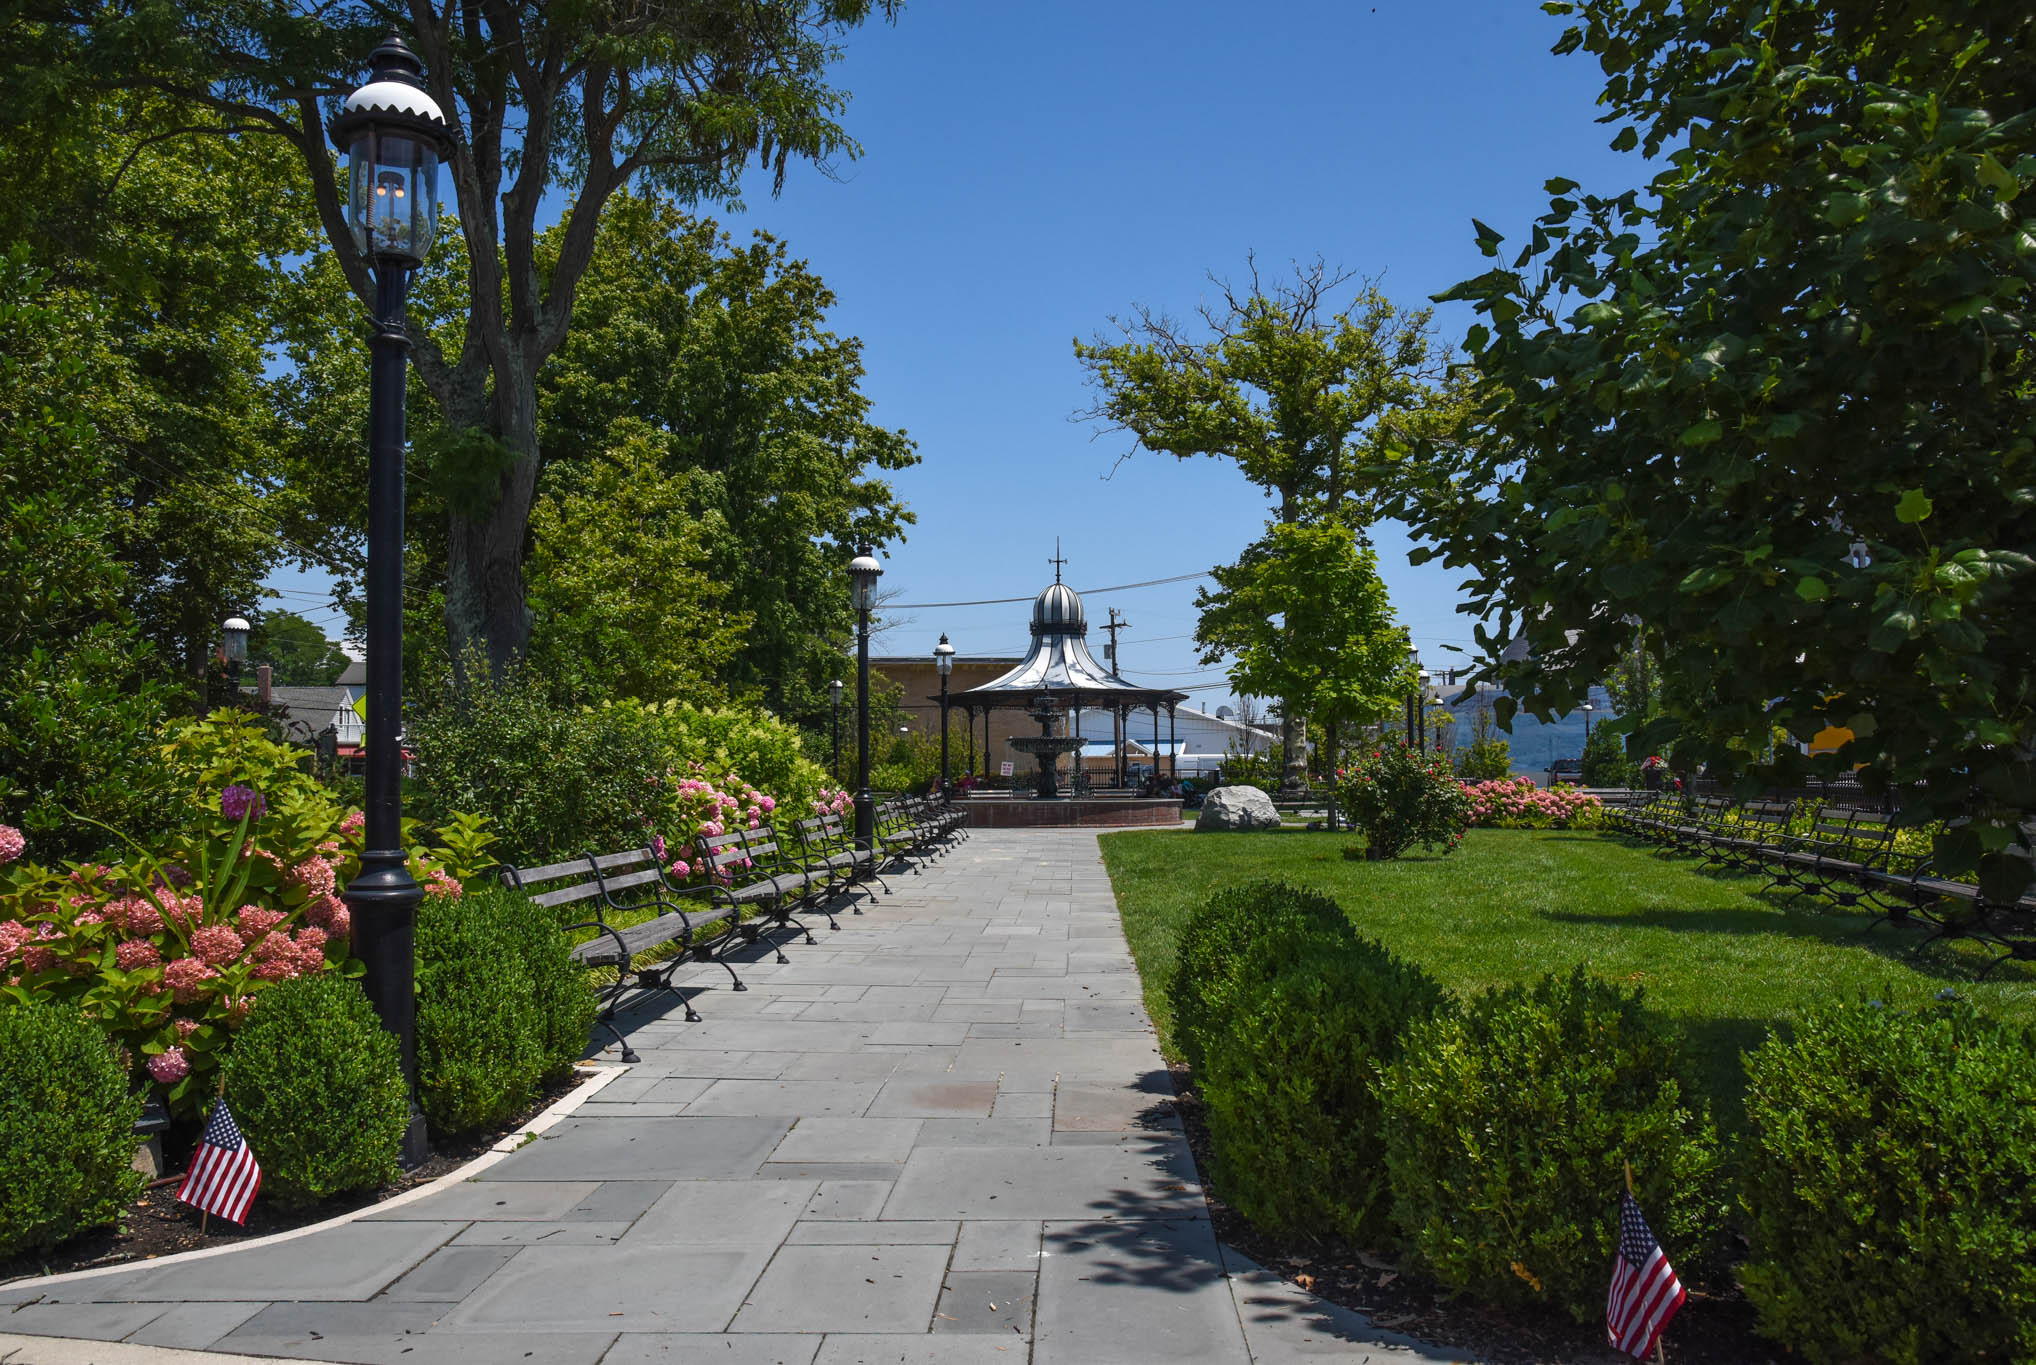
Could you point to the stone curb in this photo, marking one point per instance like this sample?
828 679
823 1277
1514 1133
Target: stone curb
18 1350
599 1074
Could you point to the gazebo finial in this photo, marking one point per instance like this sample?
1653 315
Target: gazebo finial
1056 561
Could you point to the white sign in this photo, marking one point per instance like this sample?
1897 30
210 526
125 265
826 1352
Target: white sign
1004 769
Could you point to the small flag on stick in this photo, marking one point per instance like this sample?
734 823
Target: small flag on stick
224 1175
1645 1292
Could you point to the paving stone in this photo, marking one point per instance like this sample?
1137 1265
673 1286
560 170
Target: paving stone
846 1288
1091 1108
449 1274
541 1234
351 1261
794 1098
723 1213
643 1149
848 1199
712 1063
107 1321
1134 1293
1125 1179
985 1244
863 1233
399 1334
618 1201
986 1301
503 1200
1284 1323
616 1289
1023 1104
831 1170
841 1066
928 1097
703 1348
827 1138
938 1033
190 1326
992 1132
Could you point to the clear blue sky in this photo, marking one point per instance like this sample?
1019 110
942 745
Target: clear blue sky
1030 170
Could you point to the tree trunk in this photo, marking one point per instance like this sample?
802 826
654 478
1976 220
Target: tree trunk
484 604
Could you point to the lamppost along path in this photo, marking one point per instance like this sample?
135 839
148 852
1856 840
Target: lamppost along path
943 661
394 135
834 700
863 572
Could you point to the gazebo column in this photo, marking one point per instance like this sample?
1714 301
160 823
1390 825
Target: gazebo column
1155 747
969 722
1173 756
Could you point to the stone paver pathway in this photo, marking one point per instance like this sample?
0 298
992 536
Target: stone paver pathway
939 1135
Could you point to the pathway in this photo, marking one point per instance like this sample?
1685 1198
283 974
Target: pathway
940 1135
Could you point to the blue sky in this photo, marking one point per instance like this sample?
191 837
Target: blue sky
1031 169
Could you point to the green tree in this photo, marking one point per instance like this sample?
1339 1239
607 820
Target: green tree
1280 380
553 105
296 651
1303 615
1782 407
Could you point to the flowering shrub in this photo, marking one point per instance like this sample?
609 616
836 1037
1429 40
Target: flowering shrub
833 801
167 951
1398 797
1516 803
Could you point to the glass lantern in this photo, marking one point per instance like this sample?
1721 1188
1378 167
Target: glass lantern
394 135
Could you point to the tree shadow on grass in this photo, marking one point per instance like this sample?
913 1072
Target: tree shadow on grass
1910 946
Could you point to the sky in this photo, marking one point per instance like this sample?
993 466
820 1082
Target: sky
1030 170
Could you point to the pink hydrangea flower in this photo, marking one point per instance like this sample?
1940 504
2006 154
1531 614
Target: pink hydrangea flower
187 978
355 822
12 842
91 917
316 876
215 945
13 934
278 969
681 868
443 884
255 921
185 1027
134 916
274 948
169 1067
770 804
239 800
135 954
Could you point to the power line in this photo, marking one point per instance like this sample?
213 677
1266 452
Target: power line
1003 601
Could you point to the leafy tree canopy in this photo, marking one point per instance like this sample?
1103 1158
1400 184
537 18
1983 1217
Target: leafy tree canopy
296 651
1781 409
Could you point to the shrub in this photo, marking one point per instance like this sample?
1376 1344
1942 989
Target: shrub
66 1128
1398 797
1887 1182
500 1007
1516 803
1486 757
317 1086
1242 934
1293 1117
1605 762
1507 1127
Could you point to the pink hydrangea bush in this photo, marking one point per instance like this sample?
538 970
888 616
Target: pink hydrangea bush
1516 803
705 807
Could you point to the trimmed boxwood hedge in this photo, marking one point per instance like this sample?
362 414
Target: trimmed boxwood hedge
66 1128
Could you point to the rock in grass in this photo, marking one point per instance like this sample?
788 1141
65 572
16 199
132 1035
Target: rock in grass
1237 808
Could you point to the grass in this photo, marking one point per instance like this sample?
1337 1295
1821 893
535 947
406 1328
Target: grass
1713 952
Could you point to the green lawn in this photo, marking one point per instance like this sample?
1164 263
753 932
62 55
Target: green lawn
1712 952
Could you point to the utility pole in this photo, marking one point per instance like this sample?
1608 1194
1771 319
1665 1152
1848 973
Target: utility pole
1116 624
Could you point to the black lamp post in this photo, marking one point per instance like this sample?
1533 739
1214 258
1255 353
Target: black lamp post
393 134
233 631
863 573
1421 710
943 661
1588 708
834 700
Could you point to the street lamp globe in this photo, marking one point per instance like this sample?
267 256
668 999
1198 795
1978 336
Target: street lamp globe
394 135
943 656
834 692
235 630
863 572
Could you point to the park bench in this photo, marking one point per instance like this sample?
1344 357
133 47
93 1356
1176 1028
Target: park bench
750 874
625 885
1843 856
1747 832
829 844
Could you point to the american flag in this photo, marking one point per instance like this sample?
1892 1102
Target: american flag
1645 1292
224 1175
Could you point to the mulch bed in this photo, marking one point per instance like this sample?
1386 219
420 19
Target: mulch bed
1711 1329
157 1225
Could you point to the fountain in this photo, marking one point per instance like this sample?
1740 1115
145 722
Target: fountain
1046 746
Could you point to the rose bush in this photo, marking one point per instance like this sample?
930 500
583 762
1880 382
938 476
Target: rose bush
1398 796
1516 803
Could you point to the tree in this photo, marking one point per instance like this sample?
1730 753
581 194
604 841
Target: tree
1303 615
297 652
1791 427
1275 381
550 103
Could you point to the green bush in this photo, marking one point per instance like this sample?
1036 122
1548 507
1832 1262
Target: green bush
1398 796
1240 935
1890 1187
317 1086
66 1128
1605 763
1486 757
1289 1084
1507 1128
500 1006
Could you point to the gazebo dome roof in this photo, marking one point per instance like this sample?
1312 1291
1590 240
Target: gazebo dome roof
1058 611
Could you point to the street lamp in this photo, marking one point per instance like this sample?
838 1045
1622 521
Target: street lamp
234 631
943 662
394 135
1421 709
863 572
1588 708
834 698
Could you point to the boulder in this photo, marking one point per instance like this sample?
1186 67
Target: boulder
1237 808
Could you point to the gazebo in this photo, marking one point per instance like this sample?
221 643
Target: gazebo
1059 666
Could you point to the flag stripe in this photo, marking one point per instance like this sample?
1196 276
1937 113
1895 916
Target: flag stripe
1644 1293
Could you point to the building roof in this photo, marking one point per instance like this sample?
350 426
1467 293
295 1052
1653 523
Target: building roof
304 711
1060 663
